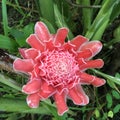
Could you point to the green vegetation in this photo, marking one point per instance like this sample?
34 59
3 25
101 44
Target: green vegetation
94 19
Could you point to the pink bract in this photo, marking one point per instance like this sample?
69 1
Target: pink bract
57 68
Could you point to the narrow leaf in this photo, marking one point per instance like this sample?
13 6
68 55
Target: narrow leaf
47 10
7 43
4 17
87 15
103 15
109 100
11 83
19 105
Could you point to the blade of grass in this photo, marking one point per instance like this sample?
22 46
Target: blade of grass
116 11
87 15
11 83
47 10
19 9
53 111
100 30
106 10
97 2
4 17
19 105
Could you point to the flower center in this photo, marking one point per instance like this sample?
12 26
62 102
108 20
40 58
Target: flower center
60 67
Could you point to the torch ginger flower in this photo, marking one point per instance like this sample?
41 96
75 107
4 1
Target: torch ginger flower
57 68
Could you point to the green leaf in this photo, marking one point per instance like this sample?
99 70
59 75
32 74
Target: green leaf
19 37
68 14
102 20
109 100
97 26
110 114
47 10
100 29
19 105
117 33
111 84
87 15
70 118
97 113
11 83
115 11
115 94
116 108
117 75
4 16
7 43
53 110
28 29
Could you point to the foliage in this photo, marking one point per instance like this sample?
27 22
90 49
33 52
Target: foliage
90 18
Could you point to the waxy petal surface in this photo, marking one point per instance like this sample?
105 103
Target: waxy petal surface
25 65
78 41
60 36
90 79
94 46
33 100
31 53
78 96
42 31
60 101
32 87
84 54
92 64
34 42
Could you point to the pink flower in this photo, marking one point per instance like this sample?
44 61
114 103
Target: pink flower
57 68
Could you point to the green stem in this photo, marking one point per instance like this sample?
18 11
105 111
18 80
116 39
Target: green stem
4 16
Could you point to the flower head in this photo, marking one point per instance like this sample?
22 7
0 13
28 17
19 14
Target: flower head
57 68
